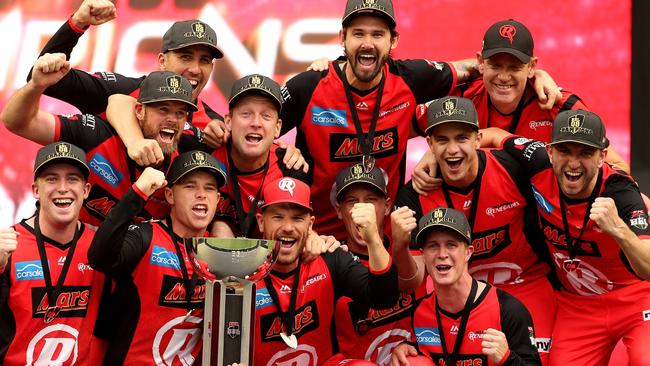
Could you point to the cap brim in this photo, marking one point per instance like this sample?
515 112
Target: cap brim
442 224
475 126
233 99
192 106
524 58
216 52
221 177
340 190
64 160
582 142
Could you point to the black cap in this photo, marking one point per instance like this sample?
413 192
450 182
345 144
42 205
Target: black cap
383 8
165 85
579 126
61 152
193 160
451 109
443 217
508 36
256 84
356 174
188 33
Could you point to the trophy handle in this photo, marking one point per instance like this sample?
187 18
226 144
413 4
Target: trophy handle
229 322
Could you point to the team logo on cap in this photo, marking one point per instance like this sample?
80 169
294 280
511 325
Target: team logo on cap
287 185
173 84
369 4
449 108
255 80
449 104
62 149
574 125
508 31
198 31
199 156
357 170
437 216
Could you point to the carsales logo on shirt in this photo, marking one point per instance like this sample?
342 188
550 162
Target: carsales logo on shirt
162 257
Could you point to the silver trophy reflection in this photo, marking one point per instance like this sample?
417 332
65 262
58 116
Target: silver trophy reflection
231 267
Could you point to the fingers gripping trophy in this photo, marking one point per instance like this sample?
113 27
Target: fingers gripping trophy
231 267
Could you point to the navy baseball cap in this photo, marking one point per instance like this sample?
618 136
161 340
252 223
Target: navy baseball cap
508 36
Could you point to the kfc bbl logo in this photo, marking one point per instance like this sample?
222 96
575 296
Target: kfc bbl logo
233 330
575 122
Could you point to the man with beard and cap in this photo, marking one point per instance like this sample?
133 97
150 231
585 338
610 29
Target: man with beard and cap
49 294
295 302
161 299
464 321
163 103
362 108
595 226
492 190
363 332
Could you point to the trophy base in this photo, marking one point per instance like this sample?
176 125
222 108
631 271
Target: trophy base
229 322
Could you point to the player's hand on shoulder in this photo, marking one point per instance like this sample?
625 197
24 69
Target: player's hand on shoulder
8 245
146 153
319 65
547 90
150 181
293 158
49 69
424 174
216 134
94 12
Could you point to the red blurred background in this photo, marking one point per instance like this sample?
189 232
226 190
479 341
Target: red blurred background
579 45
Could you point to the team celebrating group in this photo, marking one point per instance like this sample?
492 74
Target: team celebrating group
520 239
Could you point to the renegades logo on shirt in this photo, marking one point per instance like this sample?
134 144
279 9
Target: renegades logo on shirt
345 146
556 237
72 302
305 320
172 293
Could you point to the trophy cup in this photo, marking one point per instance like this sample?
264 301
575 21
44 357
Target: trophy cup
231 267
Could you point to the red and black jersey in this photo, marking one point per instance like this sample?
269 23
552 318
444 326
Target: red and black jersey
112 172
603 267
369 334
316 104
528 120
150 303
506 240
25 338
89 92
321 282
250 185
495 309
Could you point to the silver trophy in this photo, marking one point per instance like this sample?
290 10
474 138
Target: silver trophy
231 267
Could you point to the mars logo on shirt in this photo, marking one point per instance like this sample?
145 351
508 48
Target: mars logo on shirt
305 320
344 147
72 302
56 344
99 202
490 242
173 293
462 359
556 236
